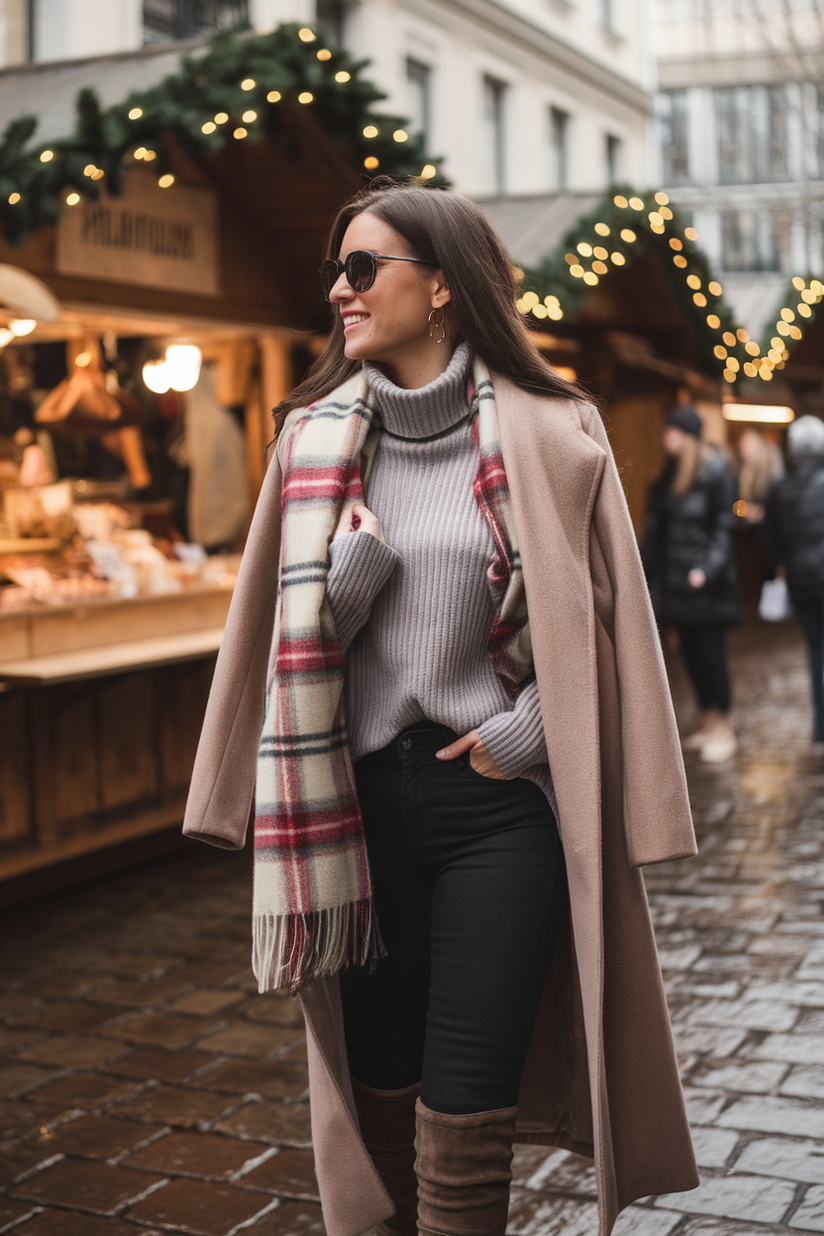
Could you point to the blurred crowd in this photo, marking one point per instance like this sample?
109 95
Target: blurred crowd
724 526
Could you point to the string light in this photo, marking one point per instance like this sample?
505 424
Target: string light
90 169
149 155
342 76
208 127
221 117
618 258
584 249
602 229
371 162
620 201
662 199
135 113
14 198
46 156
400 135
274 96
72 199
249 117
370 131
636 203
166 181
248 83
324 54
306 35
628 235
239 133
428 171
305 97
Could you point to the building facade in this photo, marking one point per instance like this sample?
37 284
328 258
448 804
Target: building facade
519 96
741 132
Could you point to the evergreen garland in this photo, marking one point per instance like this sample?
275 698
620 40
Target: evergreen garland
284 65
553 278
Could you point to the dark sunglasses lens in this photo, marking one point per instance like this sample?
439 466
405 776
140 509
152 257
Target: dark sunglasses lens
360 270
329 275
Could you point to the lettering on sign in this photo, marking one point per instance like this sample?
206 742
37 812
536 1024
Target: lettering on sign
152 237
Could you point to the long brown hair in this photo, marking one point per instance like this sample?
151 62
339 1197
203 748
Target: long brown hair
453 234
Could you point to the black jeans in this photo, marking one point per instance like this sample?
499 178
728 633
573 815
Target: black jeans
811 616
470 892
703 650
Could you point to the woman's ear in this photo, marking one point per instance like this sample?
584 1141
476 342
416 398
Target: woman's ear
440 294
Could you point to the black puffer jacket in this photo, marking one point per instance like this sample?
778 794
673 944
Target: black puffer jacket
691 531
794 528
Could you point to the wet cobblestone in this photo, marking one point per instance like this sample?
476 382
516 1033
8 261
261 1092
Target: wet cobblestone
146 1088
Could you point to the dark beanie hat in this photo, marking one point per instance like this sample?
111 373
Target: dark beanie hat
686 418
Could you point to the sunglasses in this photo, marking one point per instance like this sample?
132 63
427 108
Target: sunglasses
360 269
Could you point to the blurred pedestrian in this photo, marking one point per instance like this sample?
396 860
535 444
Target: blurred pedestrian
688 558
760 467
425 738
794 537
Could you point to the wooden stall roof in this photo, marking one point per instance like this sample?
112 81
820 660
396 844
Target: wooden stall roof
275 202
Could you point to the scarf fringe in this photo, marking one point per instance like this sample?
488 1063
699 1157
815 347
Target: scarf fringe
290 950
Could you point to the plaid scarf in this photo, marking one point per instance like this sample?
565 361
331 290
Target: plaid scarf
313 903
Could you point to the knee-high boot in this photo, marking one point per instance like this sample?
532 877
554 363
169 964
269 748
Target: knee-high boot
464 1169
387 1123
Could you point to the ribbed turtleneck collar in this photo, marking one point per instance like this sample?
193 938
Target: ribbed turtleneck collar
430 409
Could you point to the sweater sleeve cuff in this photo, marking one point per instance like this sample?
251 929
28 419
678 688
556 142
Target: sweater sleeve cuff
360 566
515 740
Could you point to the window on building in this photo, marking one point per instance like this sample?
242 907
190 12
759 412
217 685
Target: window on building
558 128
754 240
613 155
607 11
181 19
492 136
418 93
331 17
672 115
752 134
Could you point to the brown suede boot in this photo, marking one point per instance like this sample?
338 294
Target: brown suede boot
387 1124
464 1168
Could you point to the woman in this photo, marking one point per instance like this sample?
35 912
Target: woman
760 465
456 995
794 536
688 558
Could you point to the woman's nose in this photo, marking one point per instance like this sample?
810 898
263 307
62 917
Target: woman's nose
341 290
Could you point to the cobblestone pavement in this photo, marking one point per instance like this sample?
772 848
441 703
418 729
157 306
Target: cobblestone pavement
146 1088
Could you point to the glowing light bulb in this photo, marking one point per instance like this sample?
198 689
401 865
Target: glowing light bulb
72 199
305 96
306 35
135 113
156 377
370 131
166 181
22 326
620 201
428 171
342 76
370 163
46 156
324 54
248 83
183 362
274 96
249 117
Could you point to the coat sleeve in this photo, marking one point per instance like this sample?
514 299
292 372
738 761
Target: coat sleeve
657 814
222 789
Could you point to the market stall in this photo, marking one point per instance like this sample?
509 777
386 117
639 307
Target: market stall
174 242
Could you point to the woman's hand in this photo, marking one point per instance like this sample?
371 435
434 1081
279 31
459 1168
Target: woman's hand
358 518
697 578
479 757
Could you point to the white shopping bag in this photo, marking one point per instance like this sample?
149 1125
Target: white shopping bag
774 602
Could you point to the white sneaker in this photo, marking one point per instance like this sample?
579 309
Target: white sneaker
719 747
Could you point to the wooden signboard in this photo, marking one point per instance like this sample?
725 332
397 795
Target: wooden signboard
153 237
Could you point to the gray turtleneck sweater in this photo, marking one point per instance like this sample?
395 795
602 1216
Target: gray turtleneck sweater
414 615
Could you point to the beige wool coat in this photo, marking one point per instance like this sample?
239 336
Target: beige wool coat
601 1076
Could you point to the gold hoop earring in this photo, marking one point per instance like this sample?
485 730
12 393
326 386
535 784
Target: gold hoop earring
441 326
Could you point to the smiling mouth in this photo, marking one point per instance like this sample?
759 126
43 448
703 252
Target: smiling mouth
354 319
